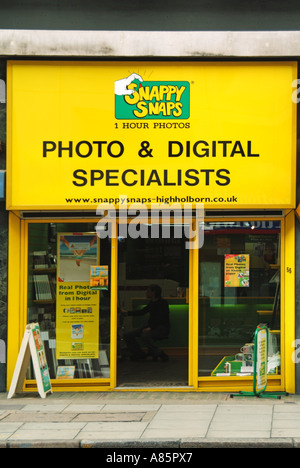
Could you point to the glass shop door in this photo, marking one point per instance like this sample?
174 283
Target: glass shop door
153 310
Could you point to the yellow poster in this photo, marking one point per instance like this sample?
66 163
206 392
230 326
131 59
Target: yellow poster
77 312
236 271
151 132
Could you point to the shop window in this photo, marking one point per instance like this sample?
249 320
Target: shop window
71 307
239 288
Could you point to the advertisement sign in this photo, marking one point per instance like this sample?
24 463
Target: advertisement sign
99 277
236 271
151 133
77 310
32 347
260 365
261 359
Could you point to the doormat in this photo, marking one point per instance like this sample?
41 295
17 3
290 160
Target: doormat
153 384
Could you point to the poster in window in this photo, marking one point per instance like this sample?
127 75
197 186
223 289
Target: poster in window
77 252
77 311
99 277
236 271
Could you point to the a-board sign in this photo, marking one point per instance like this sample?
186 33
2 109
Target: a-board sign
261 358
260 365
32 346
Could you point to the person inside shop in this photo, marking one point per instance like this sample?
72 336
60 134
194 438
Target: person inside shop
157 327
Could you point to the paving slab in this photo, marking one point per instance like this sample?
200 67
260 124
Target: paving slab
286 424
109 435
237 434
83 408
183 416
44 408
9 427
38 417
244 409
288 432
285 408
159 433
100 417
242 426
131 408
286 415
4 414
44 434
115 426
238 419
188 408
51 426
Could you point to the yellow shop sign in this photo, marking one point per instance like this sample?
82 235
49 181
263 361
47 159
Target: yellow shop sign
85 133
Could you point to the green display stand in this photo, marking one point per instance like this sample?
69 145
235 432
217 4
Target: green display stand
260 367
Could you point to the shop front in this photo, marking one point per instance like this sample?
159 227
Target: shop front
178 177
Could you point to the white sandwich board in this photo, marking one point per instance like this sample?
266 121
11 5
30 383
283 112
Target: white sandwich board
32 346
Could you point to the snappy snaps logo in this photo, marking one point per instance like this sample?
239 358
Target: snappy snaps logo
163 100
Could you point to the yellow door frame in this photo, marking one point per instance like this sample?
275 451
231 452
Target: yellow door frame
14 294
193 311
17 310
289 299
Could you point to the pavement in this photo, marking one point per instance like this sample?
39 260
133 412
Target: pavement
148 420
